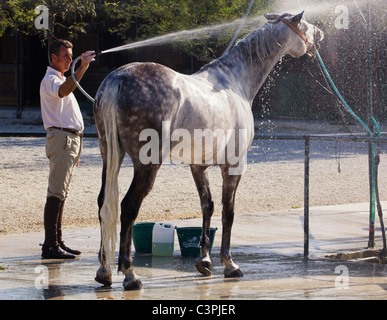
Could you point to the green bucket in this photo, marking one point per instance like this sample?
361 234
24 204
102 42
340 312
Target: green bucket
142 236
189 238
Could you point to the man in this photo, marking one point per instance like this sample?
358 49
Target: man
63 121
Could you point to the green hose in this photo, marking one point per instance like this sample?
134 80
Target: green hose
340 96
372 217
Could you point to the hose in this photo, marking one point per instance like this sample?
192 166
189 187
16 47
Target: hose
375 160
340 96
239 28
97 53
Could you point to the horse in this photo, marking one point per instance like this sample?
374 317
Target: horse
153 113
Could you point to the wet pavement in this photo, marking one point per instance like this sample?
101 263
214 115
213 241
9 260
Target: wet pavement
268 247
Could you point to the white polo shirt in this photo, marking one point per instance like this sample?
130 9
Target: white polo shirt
56 111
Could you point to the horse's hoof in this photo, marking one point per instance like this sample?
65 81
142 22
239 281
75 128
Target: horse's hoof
132 284
234 273
104 282
204 267
104 278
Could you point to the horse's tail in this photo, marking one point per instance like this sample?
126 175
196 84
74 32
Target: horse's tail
109 209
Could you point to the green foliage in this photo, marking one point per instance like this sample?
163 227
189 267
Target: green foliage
70 17
156 17
117 18
17 15
4 21
129 20
67 18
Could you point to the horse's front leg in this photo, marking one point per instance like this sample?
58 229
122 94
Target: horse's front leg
230 184
200 175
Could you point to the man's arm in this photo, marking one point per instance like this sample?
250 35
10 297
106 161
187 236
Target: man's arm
69 85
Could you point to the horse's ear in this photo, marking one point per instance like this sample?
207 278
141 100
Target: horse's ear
298 17
272 16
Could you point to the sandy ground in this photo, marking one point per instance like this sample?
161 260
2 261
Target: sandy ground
273 181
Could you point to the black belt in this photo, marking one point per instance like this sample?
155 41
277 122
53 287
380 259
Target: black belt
73 131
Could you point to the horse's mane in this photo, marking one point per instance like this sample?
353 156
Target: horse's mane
260 43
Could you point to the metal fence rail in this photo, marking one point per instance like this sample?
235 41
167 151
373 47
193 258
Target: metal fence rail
364 138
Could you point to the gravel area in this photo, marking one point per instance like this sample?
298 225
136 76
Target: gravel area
273 181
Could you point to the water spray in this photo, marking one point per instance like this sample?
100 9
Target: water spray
239 28
176 36
375 160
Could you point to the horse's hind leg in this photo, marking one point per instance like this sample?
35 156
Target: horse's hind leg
142 183
104 273
200 175
230 185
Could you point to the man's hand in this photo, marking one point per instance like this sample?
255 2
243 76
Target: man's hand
69 85
86 58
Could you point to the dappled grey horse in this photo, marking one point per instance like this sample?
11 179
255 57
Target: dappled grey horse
153 114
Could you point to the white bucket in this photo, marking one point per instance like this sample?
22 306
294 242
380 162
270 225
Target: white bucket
163 237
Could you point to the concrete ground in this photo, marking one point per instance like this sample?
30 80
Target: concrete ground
268 247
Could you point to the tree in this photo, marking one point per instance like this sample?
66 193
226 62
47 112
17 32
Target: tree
17 15
67 18
131 20
157 17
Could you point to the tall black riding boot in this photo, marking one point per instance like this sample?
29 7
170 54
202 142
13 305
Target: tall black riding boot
59 233
50 248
